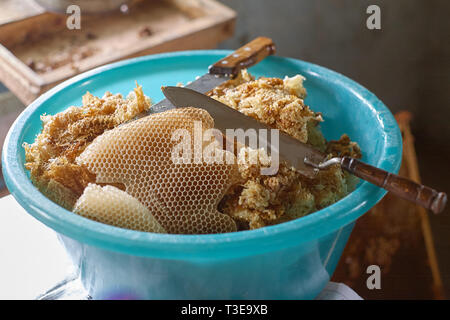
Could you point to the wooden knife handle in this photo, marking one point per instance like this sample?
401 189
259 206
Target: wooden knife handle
402 187
244 57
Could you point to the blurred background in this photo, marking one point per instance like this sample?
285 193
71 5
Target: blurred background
406 64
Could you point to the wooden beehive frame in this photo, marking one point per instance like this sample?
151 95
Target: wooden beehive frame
409 153
172 24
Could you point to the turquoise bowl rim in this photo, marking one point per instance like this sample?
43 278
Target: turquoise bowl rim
309 228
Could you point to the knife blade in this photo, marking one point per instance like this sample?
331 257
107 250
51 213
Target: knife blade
306 159
203 84
225 118
226 68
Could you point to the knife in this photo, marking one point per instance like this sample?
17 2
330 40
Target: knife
226 68
306 159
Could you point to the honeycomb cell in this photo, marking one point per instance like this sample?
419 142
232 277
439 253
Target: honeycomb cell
115 207
139 155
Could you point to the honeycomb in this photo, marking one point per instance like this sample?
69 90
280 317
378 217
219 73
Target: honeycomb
65 135
113 206
182 195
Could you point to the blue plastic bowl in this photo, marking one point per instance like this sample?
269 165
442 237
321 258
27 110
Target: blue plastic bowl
292 260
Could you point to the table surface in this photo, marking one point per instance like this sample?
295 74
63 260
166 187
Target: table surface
33 260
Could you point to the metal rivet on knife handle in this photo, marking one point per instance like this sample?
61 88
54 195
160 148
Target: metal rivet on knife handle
244 57
402 187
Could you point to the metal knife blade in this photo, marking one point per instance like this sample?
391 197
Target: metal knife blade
289 148
226 68
203 84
